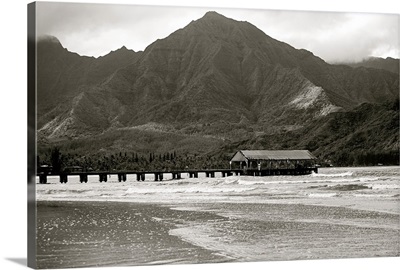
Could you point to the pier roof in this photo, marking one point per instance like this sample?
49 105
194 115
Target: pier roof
243 155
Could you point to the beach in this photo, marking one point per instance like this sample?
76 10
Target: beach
338 213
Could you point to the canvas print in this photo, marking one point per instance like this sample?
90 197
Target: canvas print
177 135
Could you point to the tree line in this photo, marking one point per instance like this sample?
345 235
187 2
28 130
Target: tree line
366 158
58 162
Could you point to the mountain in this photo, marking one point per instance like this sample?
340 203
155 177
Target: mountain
63 76
213 82
389 64
366 135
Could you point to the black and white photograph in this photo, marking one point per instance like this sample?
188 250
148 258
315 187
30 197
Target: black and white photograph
187 135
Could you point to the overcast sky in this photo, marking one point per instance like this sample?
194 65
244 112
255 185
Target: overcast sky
96 29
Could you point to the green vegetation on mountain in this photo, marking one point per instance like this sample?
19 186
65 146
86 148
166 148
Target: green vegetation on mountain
367 135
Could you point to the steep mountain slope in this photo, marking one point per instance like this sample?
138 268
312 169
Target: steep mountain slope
63 76
215 78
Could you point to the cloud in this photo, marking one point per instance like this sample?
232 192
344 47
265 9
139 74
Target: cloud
96 29
333 36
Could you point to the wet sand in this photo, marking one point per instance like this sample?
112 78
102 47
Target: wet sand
265 232
83 234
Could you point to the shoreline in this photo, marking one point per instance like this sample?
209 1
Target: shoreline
323 202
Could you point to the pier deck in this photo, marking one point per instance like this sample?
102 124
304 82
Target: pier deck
176 174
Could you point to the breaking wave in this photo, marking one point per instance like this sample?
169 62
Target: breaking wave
194 189
341 186
322 195
344 174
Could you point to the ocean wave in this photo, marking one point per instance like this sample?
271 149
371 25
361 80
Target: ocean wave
231 181
375 195
384 186
56 191
194 189
349 187
250 183
322 195
344 174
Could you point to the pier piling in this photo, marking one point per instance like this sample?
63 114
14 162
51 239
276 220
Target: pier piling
63 178
176 175
103 177
43 179
83 178
193 174
159 175
121 177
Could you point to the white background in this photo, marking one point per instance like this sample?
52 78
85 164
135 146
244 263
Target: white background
13 103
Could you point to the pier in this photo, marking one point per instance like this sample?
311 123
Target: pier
176 174
248 162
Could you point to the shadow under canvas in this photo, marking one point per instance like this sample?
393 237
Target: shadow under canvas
20 261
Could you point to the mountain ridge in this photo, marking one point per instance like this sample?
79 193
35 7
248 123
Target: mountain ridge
388 64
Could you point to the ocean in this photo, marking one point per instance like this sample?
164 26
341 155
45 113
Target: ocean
337 213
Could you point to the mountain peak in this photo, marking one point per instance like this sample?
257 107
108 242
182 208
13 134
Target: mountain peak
124 49
219 25
48 42
49 39
214 15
